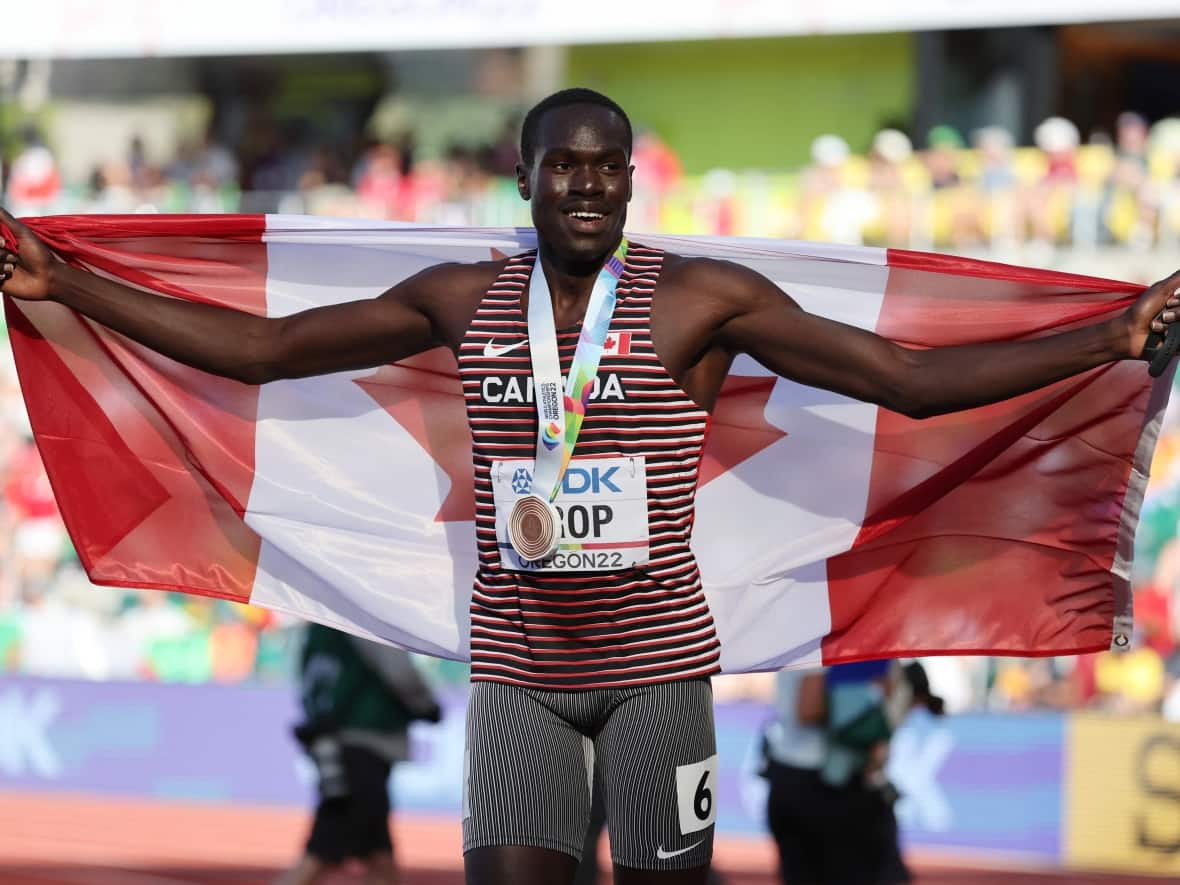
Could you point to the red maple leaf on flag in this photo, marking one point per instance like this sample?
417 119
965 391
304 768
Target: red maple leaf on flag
739 429
423 395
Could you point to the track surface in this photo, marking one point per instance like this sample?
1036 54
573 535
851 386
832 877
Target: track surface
83 840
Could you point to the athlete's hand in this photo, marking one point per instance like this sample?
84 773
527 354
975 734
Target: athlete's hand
24 273
1153 311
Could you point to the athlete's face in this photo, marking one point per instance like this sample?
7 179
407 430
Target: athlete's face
579 182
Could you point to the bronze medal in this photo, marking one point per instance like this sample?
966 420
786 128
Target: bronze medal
533 528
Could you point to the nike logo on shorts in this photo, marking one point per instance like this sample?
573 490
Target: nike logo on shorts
490 349
661 854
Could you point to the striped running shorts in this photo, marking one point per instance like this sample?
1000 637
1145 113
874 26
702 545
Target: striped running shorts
531 758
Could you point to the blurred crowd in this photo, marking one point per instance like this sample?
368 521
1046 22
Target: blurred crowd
1120 190
981 191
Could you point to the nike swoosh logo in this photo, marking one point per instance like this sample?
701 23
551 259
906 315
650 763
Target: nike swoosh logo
661 854
490 349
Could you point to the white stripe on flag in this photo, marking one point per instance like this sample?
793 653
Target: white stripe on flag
772 583
345 502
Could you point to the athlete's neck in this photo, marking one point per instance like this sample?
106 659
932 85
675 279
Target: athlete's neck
571 281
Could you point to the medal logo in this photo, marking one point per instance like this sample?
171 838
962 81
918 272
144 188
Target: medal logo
550 435
522 481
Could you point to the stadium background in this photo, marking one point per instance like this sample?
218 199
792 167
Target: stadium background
143 734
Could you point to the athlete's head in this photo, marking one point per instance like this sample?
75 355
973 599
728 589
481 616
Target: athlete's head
575 169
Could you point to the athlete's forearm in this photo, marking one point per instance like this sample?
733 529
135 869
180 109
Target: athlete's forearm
215 339
947 379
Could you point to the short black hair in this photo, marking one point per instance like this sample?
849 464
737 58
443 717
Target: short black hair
564 98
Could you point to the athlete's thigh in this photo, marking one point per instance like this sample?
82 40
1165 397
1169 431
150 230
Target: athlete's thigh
658 762
527 773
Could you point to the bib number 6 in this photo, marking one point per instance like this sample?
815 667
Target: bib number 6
702 803
695 805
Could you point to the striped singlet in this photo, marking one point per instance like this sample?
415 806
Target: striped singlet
641 625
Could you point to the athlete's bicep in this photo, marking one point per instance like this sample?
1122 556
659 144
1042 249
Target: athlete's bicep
364 333
771 327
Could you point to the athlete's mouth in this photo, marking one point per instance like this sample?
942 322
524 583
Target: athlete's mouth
587 220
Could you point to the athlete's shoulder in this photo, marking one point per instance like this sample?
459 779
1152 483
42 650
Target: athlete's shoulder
450 293
440 286
708 277
472 277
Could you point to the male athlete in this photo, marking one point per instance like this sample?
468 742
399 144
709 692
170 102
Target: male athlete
607 659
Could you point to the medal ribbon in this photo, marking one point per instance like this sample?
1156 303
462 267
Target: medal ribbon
559 417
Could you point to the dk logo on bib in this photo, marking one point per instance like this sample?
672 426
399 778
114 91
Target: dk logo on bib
601 513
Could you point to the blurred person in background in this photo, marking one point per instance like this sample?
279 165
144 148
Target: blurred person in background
890 151
997 185
994 145
658 173
139 167
39 539
380 186
1059 139
359 698
865 702
952 215
941 156
213 165
34 184
1049 203
830 208
1128 206
1130 683
1131 136
62 629
716 204
829 808
147 617
959 681
1027 684
1170 705
795 746
322 184
1164 147
918 707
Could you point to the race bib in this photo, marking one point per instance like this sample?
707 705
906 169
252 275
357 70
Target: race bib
696 785
603 510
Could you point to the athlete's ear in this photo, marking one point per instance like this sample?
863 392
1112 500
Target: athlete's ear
630 181
522 181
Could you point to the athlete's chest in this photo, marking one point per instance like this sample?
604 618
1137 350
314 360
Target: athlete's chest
520 390
501 370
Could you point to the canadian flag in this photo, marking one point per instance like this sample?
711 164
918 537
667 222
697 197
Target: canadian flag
617 344
827 529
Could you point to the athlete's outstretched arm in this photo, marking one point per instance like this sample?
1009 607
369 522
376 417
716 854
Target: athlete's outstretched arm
920 383
228 342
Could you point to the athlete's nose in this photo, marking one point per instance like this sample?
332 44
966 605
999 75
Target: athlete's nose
586 180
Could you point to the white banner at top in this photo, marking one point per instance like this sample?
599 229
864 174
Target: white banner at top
132 28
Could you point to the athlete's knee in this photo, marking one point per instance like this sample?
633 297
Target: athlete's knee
518 865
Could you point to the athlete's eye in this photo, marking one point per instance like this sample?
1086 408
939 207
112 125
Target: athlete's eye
562 166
